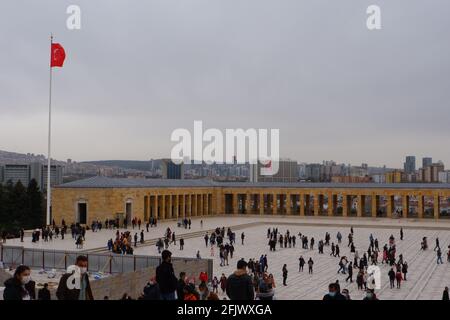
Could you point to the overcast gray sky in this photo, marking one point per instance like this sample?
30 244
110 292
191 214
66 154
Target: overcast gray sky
137 70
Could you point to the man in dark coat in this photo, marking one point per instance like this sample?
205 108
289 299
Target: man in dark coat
445 294
75 285
334 293
151 290
240 284
165 277
44 293
180 286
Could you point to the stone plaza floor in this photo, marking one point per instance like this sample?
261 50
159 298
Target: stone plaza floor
426 279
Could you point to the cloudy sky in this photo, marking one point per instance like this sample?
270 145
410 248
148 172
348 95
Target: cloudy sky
137 70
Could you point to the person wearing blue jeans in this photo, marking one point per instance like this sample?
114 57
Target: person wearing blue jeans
439 256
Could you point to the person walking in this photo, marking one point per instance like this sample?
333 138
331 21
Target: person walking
285 274
350 272
398 278
165 277
391 275
437 246
310 266
181 243
239 285
301 263
404 269
223 282
439 256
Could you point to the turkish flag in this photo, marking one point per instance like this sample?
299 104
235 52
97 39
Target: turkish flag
57 55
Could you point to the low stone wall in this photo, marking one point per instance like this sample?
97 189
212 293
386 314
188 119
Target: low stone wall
133 283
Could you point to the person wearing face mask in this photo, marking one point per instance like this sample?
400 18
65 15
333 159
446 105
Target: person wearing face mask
333 293
20 286
370 295
71 288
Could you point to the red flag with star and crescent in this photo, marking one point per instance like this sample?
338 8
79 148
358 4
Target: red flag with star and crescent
57 55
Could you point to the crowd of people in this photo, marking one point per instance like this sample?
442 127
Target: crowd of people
252 278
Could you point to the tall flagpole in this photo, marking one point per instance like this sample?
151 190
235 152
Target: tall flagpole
49 193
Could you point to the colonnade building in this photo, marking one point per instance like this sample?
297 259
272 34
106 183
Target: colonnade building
101 198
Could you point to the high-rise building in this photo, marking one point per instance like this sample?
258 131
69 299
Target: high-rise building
170 170
426 162
410 165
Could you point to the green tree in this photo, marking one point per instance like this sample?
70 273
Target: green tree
36 206
20 206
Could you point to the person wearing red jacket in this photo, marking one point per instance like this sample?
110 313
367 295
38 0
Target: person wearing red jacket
203 277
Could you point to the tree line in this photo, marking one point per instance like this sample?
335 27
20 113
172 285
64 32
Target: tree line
21 207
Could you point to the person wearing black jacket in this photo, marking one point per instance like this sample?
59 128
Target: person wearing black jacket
165 277
334 293
445 294
44 293
180 286
240 284
71 288
20 286
151 290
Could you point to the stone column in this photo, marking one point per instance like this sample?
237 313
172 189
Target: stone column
189 205
335 204
288 204
235 203
321 198
206 213
302 204
375 205
261 203
183 206
155 206
360 208
330 205
274 203
345 205
170 213
436 205
308 203
390 205
163 207
316 204
201 205
405 205
177 206
247 209
420 209
194 205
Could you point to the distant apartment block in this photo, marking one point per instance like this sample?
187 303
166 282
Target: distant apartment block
170 170
26 172
287 172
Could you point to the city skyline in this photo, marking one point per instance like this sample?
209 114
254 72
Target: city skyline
334 89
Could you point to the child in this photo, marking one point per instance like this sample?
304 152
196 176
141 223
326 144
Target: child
215 285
